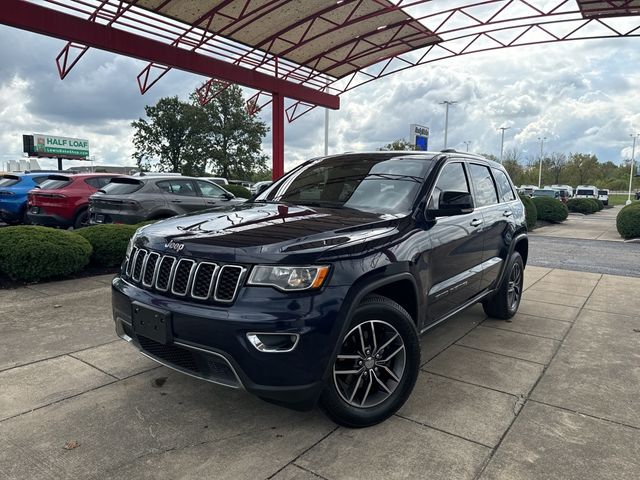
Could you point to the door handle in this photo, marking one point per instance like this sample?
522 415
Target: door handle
507 213
476 222
176 201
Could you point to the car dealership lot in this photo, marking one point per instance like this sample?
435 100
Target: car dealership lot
553 394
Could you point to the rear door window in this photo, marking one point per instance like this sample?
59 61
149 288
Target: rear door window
483 186
185 188
504 186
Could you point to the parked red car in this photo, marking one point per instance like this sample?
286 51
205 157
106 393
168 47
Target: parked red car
63 199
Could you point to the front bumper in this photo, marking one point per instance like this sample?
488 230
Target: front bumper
209 341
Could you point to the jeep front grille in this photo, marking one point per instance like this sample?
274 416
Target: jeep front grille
185 277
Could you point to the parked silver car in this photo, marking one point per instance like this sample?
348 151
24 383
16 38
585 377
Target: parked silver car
133 200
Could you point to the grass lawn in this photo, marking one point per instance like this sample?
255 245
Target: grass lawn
619 199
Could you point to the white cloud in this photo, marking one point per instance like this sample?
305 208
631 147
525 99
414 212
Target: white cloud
582 96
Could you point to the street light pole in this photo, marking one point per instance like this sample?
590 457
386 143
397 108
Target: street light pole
541 150
502 143
633 156
326 132
467 143
446 103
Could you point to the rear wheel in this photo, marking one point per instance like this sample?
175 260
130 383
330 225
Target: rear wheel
376 367
81 220
504 304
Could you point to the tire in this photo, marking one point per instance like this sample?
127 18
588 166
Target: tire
358 399
81 220
505 302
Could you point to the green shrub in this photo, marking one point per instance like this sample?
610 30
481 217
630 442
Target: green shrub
530 212
628 221
30 253
581 205
109 242
599 203
238 190
550 209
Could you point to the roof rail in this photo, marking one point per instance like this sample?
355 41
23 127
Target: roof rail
449 150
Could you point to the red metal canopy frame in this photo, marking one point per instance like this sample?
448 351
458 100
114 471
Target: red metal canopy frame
309 52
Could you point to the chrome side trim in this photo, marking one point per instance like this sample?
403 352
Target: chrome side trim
470 303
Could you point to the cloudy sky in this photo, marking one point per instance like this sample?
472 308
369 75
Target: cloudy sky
582 96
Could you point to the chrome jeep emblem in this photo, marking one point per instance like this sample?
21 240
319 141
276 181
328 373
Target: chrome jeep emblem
174 246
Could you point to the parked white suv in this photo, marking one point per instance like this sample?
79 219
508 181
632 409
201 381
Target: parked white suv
603 195
586 191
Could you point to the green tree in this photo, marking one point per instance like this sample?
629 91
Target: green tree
582 168
233 138
171 138
398 145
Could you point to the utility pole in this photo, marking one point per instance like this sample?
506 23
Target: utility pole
541 150
633 156
502 143
446 103
467 143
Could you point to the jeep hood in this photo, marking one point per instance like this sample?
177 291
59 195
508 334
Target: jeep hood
262 231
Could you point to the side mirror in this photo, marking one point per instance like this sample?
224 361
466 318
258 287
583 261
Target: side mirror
229 196
452 203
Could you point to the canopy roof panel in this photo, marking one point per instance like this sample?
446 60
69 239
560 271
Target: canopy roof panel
609 8
335 38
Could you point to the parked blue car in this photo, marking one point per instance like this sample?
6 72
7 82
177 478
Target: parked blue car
13 194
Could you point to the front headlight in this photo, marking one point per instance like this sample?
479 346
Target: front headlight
289 278
129 248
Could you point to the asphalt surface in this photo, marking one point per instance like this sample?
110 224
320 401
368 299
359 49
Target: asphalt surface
597 256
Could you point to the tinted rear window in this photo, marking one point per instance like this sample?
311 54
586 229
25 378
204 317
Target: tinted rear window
55 182
8 180
122 186
603 192
584 192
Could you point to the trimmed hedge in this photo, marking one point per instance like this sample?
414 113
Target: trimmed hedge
109 242
530 211
30 253
550 209
238 190
628 221
581 205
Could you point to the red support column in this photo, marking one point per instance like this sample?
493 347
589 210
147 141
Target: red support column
277 132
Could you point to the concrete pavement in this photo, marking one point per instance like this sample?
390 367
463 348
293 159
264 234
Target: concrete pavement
597 226
552 394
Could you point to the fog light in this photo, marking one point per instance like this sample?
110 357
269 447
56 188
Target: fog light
273 342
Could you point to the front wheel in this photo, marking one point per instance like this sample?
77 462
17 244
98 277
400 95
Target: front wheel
376 367
505 302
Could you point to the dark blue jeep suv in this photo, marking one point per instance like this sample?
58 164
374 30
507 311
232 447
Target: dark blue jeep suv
319 288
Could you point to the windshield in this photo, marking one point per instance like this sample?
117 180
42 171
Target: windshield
603 192
121 186
584 192
544 193
374 183
8 180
